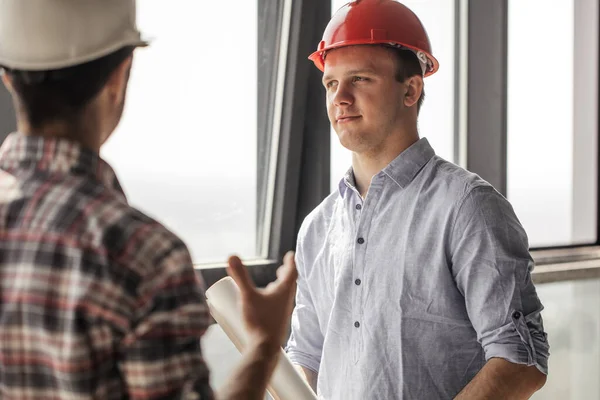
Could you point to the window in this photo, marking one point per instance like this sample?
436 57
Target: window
572 321
552 119
436 119
186 149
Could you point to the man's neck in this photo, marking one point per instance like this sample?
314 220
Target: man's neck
86 137
366 165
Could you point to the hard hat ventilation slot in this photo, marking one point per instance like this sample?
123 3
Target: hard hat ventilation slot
378 34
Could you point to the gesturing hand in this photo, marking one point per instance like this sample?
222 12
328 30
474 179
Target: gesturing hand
266 311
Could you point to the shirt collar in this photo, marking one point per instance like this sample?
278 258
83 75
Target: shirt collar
347 182
55 156
402 170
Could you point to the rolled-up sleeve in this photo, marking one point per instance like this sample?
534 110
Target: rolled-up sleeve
305 344
492 267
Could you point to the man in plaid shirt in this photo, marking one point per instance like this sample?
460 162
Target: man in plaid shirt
98 301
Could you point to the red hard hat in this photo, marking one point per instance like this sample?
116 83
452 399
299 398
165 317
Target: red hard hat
376 22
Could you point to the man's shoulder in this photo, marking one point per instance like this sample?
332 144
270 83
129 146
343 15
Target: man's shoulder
128 236
472 198
132 228
131 222
454 181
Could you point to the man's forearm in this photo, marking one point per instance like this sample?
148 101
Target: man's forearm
501 379
250 379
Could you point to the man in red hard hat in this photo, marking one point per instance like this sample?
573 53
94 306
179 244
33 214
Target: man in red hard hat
414 275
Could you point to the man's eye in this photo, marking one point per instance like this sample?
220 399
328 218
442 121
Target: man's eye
359 79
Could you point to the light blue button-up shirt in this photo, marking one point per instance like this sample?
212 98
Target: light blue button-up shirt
407 294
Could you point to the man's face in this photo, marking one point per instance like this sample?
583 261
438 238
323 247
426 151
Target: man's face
365 102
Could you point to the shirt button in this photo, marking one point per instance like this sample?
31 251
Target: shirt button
357 282
356 324
358 206
516 315
360 240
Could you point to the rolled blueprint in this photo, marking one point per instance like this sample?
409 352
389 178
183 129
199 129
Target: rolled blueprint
223 301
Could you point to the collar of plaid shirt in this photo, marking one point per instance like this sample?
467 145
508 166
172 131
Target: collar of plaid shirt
55 156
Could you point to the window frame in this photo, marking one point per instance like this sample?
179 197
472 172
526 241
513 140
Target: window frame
299 152
482 133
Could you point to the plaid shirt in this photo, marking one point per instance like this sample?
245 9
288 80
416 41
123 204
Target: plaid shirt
98 301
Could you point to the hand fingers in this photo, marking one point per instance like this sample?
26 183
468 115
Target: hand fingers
287 273
290 263
240 275
280 272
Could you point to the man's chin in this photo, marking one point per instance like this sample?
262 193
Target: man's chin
354 146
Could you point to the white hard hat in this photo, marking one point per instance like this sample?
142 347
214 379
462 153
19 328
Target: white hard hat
37 35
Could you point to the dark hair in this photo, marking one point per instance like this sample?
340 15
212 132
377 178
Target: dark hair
61 94
408 65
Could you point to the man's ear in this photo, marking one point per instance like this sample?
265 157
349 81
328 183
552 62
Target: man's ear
118 80
7 80
414 88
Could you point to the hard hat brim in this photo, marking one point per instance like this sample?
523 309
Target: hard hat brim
62 62
317 56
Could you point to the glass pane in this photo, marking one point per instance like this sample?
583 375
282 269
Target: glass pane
552 119
572 321
185 150
436 119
